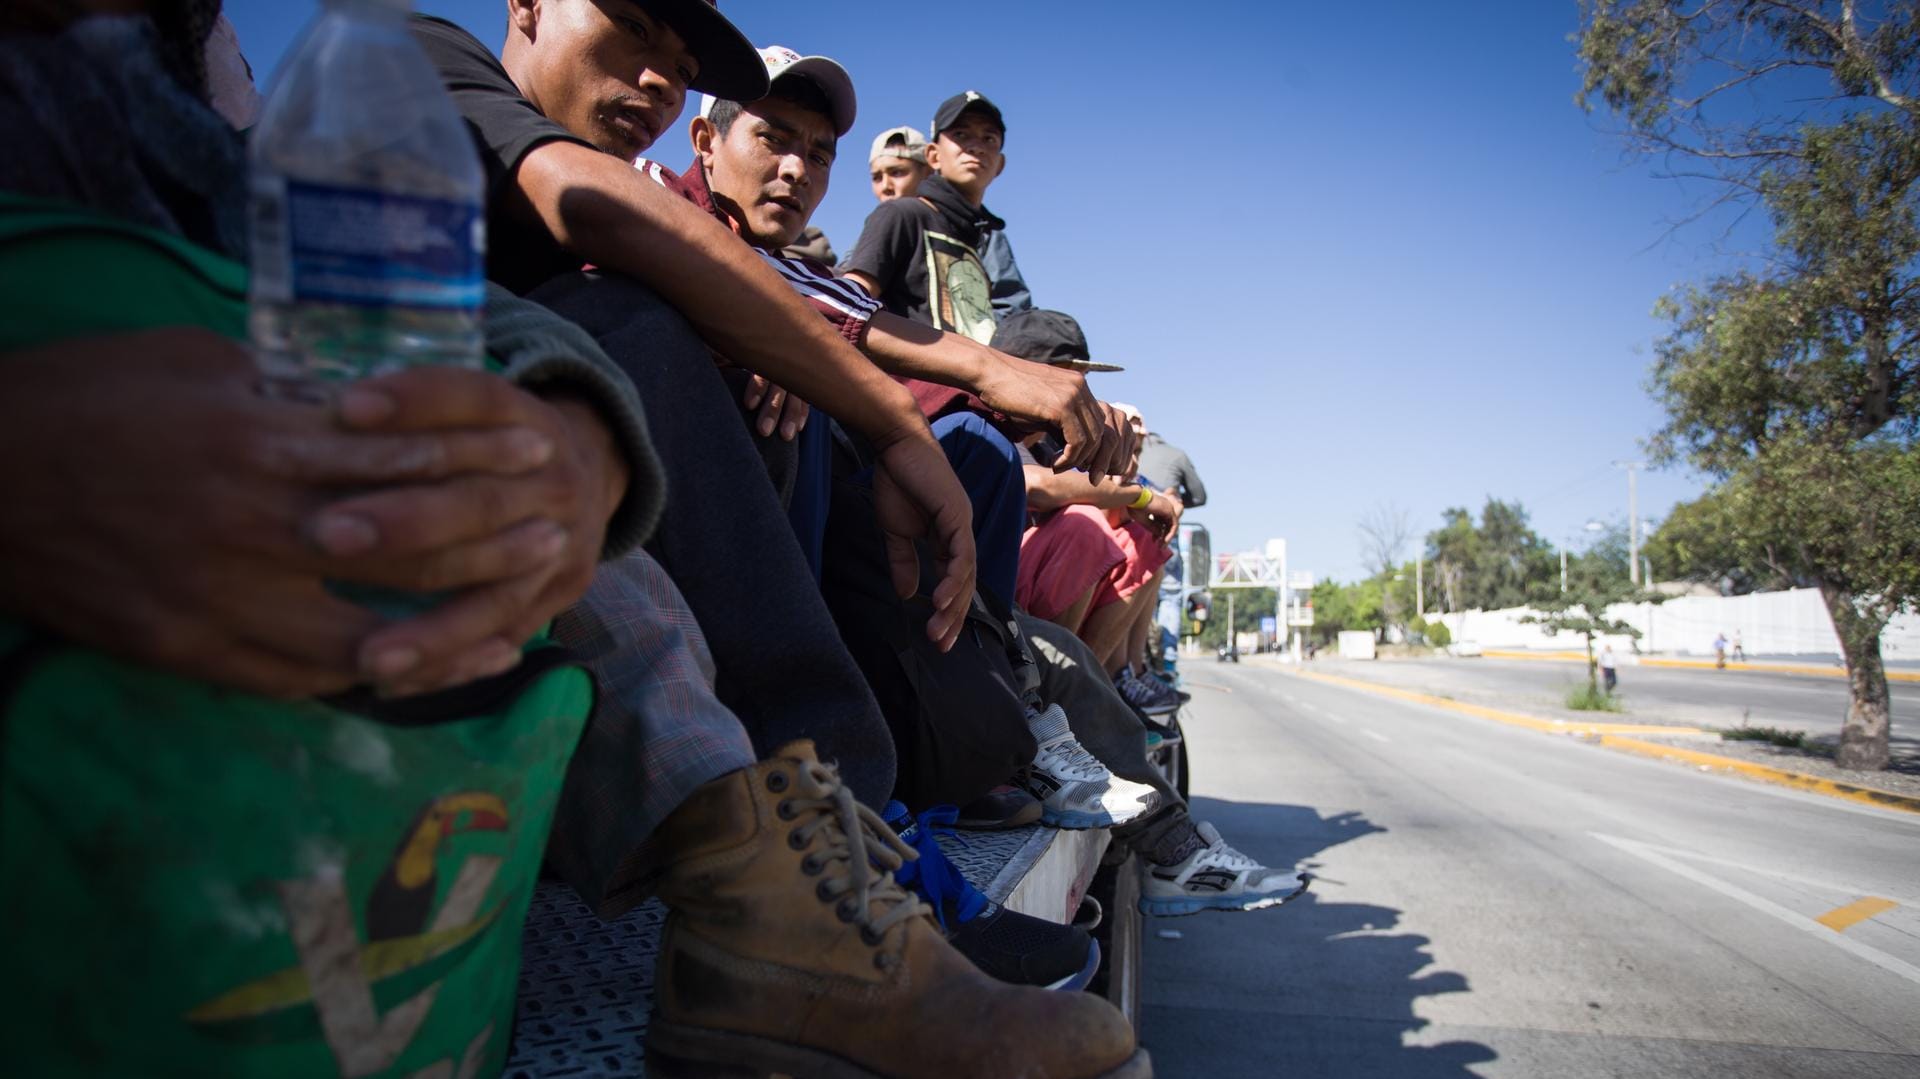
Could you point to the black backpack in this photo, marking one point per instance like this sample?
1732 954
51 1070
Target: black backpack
958 717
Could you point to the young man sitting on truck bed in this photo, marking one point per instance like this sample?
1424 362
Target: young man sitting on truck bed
776 914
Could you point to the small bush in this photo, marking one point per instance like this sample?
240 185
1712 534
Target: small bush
1438 635
1774 735
1585 698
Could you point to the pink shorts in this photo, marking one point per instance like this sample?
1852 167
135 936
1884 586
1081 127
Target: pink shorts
1144 557
1076 550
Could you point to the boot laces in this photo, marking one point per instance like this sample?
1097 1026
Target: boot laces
862 851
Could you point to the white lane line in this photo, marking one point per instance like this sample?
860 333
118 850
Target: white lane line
1314 710
1308 706
1740 895
1843 887
1376 737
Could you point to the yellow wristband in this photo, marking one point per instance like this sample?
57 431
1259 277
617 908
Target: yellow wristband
1146 496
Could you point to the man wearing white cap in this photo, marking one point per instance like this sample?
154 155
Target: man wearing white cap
765 179
897 163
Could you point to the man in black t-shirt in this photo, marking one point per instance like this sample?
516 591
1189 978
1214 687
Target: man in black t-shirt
581 88
922 257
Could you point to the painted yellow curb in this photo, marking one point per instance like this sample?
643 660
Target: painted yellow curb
1799 780
1514 719
1701 664
1782 668
1841 919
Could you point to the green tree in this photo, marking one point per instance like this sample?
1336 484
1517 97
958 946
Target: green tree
1453 550
1795 385
1703 541
1606 557
1582 610
1495 563
1338 607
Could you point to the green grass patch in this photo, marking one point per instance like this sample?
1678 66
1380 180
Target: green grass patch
1772 735
1585 698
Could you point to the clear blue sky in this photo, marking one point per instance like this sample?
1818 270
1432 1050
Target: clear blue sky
1350 255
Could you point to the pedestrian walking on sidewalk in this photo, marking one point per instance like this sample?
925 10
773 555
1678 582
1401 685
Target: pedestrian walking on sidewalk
1608 673
1739 650
1720 651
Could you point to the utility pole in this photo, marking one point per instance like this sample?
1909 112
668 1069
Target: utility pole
1563 567
1420 585
1633 519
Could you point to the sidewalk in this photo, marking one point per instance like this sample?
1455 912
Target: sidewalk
1460 680
1660 737
1765 666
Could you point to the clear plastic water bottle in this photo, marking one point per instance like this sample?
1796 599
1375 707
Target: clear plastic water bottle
368 217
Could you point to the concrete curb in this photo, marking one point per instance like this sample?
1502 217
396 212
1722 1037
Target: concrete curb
1763 773
1699 664
1615 736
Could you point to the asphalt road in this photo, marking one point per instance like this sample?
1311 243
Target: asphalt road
1496 902
1809 703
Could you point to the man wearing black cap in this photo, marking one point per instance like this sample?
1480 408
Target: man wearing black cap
923 257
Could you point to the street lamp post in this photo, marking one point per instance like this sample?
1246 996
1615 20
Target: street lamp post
1590 527
1633 518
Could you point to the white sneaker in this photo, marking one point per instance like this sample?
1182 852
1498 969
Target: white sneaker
1216 877
1075 790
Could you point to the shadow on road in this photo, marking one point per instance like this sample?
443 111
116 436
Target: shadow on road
1319 987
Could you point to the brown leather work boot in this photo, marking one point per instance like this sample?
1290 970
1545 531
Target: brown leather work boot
791 951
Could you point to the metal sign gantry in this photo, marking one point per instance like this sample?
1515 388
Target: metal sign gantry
1266 569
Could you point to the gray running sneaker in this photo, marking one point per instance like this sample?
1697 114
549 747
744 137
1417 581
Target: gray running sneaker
1075 790
1216 877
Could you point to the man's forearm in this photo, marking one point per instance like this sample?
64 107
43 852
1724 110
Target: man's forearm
610 215
1049 490
910 349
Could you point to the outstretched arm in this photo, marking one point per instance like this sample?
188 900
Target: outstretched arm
1097 437
603 210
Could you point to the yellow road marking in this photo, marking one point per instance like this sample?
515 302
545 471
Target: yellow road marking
1841 919
1701 664
1797 780
1561 656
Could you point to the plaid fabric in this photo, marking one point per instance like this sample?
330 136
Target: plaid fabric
656 735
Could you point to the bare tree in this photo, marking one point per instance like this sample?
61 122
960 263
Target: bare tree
1384 535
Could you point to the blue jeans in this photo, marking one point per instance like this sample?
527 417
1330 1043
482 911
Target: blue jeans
988 468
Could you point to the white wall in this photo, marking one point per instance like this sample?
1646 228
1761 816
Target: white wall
1769 623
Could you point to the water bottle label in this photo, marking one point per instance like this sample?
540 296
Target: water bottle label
378 249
